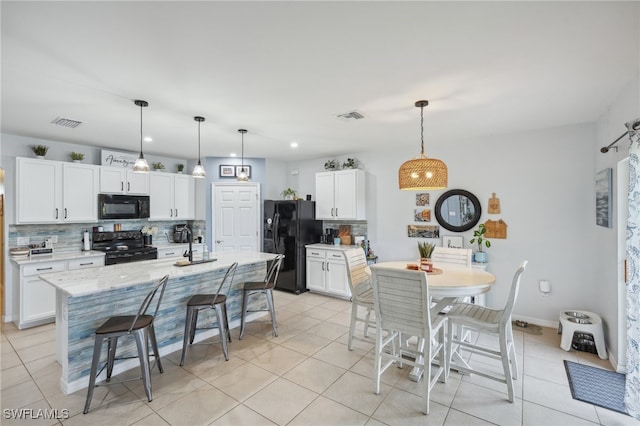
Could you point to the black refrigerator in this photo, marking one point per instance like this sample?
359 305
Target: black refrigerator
288 226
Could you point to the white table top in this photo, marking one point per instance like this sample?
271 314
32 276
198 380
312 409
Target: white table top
455 281
96 280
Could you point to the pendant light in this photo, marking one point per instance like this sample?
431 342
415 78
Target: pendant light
242 175
198 170
422 173
141 165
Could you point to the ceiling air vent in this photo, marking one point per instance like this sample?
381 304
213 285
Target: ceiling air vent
353 114
66 122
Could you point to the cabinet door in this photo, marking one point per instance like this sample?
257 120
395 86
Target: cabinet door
315 274
336 275
112 180
324 195
137 183
345 194
80 192
161 196
183 197
38 191
38 300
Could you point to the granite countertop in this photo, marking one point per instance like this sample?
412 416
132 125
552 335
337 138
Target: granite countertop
331 247
105 278
62 256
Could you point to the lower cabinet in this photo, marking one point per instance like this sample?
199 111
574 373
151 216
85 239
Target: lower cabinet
327 272
37 304
178 250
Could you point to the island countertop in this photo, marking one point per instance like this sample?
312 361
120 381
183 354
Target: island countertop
105 278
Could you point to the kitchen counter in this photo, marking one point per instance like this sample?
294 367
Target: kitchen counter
86 298
61 256
332 247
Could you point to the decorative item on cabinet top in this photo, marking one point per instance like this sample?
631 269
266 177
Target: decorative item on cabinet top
157 166
330 165
39 150
76 157
289 194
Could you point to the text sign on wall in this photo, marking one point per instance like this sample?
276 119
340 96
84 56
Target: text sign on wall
118 159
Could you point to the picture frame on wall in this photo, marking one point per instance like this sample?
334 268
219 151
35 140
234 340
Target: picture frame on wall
451 241
227 170
423 231
603 198
247 169
422 215
422 199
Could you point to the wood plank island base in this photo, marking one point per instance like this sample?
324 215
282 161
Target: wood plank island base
86 298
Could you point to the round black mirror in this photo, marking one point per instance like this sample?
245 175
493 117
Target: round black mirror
458 210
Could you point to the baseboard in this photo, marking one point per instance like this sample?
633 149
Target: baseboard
537 321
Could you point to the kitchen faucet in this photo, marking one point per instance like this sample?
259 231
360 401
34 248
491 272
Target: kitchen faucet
187 253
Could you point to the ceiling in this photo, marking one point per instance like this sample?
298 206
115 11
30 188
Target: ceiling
286 70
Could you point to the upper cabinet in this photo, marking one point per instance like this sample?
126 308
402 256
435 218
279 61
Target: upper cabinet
114 180
171 196
340 195
56 192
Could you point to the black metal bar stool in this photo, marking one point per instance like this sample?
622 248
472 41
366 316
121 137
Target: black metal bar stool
141 327
217 302
262 287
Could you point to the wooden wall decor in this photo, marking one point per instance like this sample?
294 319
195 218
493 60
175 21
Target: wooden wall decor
494 204
496 229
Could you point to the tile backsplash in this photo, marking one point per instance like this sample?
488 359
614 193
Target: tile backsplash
70 235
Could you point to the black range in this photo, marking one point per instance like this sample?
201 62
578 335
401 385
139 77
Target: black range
122 247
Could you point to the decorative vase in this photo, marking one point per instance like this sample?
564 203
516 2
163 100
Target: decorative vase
76 161
480 257
40 157
426 264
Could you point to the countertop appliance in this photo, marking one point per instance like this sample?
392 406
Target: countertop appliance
178 235
288 226
112 206
122 247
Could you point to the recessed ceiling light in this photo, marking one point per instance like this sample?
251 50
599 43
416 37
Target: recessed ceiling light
233 154
148 139
294 144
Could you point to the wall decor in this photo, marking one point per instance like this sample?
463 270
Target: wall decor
496 229
450 241
603 198
227 171
423 215
494 204
422 199
457 210
246 168
125 160
423 231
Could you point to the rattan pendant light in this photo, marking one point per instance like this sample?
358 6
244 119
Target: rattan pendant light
141 165
243 176
423 173
198 170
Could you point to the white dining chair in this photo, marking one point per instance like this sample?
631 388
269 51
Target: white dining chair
401 299
485 320
361 293
451 256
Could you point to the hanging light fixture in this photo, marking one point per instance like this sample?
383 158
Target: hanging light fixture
422 173
243 176
198 170
141 165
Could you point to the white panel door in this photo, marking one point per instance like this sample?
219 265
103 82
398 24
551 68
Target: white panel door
236 215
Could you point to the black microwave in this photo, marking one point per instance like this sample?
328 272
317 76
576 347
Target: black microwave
123 206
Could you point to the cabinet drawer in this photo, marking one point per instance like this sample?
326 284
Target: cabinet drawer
170 253
91 262
335 256
318 254
43 268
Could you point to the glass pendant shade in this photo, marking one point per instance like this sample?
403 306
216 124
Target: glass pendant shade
198 170
243 176
423 173
141 165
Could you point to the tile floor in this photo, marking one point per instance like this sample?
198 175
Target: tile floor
306 376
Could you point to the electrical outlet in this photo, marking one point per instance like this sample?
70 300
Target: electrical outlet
23 241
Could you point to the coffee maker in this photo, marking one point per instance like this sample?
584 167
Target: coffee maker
329 235
178 235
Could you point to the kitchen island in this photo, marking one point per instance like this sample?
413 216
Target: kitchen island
86 298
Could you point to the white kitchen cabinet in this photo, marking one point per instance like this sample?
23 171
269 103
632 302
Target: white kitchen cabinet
327 272
340 195
114 180
177 250
171 196
56 192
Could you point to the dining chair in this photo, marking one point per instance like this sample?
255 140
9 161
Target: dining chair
487 321
401 300
216 301
264 287
141 327
361 293
451 256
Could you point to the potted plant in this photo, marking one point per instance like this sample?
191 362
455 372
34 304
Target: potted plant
180 168
157 166
289 194
426 250
40 150
478 238
76 157
330 165
349 164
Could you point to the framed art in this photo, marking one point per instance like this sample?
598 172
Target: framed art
246 168
451 241
423 231
422 199
227 171
422 215
603 198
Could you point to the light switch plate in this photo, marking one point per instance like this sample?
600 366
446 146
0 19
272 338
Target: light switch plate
22 241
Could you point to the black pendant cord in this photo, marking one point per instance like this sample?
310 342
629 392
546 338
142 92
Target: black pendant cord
198 142
422 129
242 153
141 156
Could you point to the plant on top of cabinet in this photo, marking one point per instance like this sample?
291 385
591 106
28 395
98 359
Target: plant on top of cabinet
180 168
350 164
76 156
39 150
289 194
157 166
330 165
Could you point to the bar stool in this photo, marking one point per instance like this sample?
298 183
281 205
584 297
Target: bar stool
217 302
141 326
262 287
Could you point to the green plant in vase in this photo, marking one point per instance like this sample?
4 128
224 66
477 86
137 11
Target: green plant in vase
180 168
426 251
289 194
478 238
76 156
157 166
40 150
